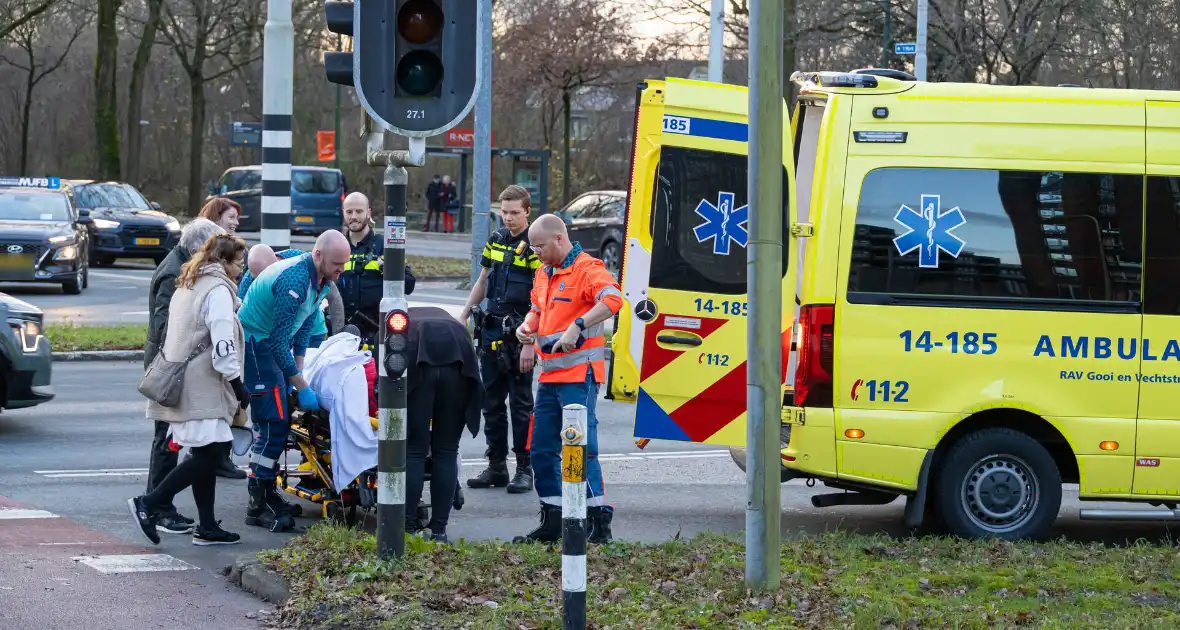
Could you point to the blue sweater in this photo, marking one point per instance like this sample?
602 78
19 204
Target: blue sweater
319 326
278 309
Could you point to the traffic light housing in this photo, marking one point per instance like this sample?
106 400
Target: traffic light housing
397 343
414 63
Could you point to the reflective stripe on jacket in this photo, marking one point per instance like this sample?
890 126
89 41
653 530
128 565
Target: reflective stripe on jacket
559 297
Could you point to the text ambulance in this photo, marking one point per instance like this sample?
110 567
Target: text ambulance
989 287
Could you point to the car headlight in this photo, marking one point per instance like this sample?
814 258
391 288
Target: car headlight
28 332
69 252
105 224
61 238
174 226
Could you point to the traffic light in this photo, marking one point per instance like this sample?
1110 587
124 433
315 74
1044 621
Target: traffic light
338 65
397 323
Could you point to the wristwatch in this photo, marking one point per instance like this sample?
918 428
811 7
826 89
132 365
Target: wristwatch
580 323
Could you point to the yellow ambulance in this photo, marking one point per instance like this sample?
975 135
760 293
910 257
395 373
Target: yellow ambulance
989 292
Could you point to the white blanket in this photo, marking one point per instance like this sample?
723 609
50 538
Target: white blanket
336 372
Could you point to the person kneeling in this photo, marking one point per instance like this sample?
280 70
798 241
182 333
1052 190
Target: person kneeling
203 327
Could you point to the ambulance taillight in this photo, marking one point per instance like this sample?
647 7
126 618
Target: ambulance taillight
813 374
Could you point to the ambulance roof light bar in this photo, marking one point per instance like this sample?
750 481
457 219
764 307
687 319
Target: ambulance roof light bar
864 78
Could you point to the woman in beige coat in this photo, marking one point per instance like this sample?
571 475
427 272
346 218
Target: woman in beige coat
203 311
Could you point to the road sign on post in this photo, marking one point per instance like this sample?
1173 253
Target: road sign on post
325 144
904 49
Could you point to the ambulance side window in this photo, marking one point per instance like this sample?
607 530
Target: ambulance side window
1070 241
1161 281
699 242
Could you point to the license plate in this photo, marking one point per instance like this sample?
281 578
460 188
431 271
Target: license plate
147 241
15 262
305 219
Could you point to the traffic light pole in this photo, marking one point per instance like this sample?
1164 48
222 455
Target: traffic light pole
278 53
482 145
391 389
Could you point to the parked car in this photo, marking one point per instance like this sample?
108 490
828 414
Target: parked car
597 220
125 224
43 236
317 197
26 364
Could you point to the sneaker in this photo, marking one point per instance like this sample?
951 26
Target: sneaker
174 524
440 537
214 536
144 519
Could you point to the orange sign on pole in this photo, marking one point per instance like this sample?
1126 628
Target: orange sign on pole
325 142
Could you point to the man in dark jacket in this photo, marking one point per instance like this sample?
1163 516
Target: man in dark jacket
362 283
160 291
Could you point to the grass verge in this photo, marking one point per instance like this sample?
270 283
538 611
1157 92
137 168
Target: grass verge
70 338
432 267
832 581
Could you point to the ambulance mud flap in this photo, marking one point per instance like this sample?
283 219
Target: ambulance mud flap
915 506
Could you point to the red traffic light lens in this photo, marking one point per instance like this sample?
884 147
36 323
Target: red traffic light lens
419 21
397 321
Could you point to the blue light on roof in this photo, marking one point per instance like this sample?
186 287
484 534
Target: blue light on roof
48 183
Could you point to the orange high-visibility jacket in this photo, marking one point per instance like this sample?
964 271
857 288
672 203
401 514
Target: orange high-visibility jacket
561 298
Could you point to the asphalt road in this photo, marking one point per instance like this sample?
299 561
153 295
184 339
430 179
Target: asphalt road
118 295
417 243
68 466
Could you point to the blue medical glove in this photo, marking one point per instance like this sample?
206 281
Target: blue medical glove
308 400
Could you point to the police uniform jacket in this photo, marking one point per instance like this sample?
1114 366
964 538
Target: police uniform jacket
511 265
361 282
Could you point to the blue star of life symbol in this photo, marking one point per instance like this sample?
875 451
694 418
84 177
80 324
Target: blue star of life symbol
929 230
722 223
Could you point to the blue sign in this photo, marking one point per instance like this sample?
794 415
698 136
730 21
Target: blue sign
722 223
929 231
52 183
905 49
245 134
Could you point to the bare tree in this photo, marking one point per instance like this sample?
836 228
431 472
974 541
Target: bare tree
15 13
207 37
106 107
28 37
143 56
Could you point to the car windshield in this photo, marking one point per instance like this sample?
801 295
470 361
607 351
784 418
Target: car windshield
315 182
19 206
109 196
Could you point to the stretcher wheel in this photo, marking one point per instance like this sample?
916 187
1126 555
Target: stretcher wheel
333 512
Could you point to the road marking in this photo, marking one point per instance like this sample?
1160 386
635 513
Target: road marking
135 313
9 514
120 276
135 563
605 457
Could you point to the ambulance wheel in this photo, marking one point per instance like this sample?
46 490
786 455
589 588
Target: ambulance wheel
997 483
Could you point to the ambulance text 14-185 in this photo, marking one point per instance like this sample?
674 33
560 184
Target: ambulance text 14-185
967 343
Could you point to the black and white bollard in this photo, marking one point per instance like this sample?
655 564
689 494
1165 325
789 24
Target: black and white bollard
573 518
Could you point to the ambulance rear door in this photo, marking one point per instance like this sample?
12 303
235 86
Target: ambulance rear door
692 321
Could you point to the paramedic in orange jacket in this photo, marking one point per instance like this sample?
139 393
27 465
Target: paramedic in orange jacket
573 295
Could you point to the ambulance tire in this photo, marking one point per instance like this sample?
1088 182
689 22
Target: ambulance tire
986 480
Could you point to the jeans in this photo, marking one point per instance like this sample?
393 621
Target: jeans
436 407
268 409
545 442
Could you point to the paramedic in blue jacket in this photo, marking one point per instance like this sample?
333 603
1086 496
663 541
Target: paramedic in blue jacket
277 316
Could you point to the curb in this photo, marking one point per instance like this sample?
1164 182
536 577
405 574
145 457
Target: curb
253 577
99 355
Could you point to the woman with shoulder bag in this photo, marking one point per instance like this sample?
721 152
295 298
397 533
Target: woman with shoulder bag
203 330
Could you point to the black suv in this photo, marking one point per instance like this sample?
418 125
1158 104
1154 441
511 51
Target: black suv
43 237
125 224
26 363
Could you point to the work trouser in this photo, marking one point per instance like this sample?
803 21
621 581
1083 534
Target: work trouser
163 459
268 409
502 390
545 440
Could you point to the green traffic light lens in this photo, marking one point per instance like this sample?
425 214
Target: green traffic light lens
419 72
419 21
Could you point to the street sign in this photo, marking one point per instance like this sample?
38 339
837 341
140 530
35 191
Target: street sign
462 137
905 49
325 142
245 134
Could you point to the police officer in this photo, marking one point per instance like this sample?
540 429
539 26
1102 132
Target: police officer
506 365
361 283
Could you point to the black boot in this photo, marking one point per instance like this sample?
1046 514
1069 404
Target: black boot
494 476
549 530
522 481
260 513
598 521
294 509
228 470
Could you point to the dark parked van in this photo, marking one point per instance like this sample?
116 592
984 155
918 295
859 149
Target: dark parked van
317 197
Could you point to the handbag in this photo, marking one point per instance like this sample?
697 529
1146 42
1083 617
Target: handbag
163 381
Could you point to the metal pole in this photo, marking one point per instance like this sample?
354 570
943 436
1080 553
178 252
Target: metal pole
764 278
481 150
336 140
573 518
920 57
278 54
391 391
888 4
717 42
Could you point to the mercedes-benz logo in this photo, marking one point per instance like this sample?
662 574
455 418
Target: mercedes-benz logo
15 249
646 310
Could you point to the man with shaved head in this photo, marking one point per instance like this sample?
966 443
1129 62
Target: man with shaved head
573 296
361 284
277 315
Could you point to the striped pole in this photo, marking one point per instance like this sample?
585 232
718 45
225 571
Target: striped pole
573 518
391 388
278 55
